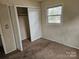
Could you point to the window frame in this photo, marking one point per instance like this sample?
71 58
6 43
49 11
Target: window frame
55 15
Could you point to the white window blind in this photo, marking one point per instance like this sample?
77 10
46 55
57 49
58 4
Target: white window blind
54 14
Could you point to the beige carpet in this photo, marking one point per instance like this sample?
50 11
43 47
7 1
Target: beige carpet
45 49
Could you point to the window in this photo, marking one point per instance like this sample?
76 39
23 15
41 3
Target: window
54 14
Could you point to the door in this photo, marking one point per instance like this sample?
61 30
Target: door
35 23
7 29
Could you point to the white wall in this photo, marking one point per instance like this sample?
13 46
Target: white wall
28 3
68 32
23 26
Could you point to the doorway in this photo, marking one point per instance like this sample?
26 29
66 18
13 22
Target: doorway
24 26
2 53
1 47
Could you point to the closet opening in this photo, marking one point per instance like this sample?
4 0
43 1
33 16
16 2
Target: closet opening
2 53
22 13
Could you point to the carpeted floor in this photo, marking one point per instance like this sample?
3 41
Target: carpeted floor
45 49
26 44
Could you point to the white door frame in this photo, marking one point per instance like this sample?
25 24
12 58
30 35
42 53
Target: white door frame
19 25
14 16
20 38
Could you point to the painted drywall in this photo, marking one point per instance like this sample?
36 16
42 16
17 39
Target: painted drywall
67 32
7 29
23 27
35 23
27 27
28 3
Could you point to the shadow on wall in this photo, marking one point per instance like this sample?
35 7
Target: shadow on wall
68 32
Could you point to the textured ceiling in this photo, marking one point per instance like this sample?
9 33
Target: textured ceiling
38 0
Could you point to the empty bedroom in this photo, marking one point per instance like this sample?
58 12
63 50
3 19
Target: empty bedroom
39 29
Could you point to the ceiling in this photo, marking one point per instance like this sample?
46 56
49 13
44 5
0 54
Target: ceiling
38 0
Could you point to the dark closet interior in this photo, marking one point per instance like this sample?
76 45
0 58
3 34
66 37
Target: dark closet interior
24 26
1 47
